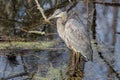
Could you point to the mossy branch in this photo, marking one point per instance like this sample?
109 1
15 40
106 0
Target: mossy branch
26 45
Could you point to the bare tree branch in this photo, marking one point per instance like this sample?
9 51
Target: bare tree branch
25 51
107 3
41 10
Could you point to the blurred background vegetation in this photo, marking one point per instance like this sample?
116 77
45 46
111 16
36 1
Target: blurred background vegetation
27 55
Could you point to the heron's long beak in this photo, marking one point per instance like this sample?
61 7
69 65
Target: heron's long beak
51 17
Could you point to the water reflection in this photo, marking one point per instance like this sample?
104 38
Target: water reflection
46 64
52 64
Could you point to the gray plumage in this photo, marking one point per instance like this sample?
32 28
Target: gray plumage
73 33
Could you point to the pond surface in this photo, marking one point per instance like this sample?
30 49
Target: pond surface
52 64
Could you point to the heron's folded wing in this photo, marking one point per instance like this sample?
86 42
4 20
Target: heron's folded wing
77 37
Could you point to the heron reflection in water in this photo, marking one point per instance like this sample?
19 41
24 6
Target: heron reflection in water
75 36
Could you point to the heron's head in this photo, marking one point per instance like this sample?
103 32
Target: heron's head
58 14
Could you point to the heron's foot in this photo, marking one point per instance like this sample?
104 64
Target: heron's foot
79 73
74 78
70 73
75 71
71 70
76 75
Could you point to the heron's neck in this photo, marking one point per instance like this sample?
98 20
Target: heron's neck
61 28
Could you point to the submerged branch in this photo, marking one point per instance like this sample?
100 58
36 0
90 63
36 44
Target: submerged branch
25 47
22 51
107 3
102 56
117 32
15 75
93 26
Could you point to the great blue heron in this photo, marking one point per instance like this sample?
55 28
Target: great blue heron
74 35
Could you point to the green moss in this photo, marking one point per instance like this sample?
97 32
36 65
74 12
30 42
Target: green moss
52 74
26 45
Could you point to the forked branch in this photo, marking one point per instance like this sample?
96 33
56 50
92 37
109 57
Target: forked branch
41 11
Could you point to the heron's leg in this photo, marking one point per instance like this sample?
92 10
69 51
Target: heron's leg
77 54
74 71
71 67
78 65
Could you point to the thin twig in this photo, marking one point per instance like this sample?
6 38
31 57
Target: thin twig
89 14
37 32
41 10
